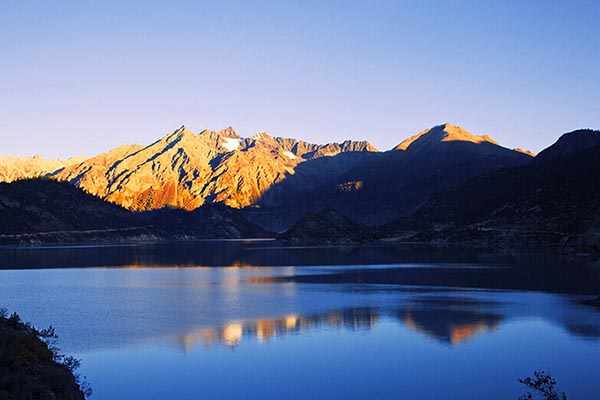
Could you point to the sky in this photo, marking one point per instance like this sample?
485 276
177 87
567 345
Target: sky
82 77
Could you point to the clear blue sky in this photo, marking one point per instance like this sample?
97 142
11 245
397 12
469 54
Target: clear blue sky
81 77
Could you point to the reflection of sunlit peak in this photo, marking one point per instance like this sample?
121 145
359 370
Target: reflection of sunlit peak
362 322
290 321
450 327
265 329
187 341
232 334
335 319
410 322
239 264
460 333
209 336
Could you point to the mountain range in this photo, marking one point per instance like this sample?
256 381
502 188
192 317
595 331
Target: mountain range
551 201
277 180
443 183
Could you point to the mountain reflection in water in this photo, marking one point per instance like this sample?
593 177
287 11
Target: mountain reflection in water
354 319
451 327
221 319
445 326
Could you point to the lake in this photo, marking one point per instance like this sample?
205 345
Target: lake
257 319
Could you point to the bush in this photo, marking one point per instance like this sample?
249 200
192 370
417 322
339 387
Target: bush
542 384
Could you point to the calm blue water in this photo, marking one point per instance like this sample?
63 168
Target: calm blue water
236 320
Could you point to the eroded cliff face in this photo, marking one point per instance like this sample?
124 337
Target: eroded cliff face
186 170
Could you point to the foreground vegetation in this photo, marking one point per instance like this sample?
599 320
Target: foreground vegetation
32 367
542 385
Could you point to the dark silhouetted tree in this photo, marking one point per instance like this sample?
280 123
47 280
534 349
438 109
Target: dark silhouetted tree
542 384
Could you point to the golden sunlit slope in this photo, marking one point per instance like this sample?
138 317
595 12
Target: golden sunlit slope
187 170
13 168
91 174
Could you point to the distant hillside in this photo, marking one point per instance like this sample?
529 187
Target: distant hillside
42 205
464 188
45 211
213 221
326 226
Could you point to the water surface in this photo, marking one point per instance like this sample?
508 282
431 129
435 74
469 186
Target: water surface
260 320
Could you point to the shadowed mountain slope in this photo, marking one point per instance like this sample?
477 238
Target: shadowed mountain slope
571 143
556 196
545 192
211 221
42 205
384 186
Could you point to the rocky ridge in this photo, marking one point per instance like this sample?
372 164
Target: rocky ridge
186 170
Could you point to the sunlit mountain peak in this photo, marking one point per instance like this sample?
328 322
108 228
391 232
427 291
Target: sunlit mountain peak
444 133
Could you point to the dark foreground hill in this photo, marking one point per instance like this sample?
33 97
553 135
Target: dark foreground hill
326 226
211 221
40 210
47 211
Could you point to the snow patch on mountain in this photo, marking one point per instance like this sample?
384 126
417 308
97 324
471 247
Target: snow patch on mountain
230 143
289 155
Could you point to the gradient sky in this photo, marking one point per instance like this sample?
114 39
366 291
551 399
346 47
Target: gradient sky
81 77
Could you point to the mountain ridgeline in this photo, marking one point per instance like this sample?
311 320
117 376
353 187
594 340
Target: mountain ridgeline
185 170
387 185
441 184
277 180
